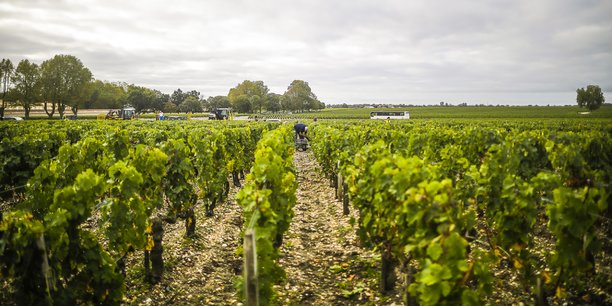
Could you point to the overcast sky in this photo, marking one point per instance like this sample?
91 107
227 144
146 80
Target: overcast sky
405 51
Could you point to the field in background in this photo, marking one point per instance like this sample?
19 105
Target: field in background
417 112
431 112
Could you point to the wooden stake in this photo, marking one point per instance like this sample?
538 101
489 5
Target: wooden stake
339 193
251 286
387 273
157 260
345 200
45 269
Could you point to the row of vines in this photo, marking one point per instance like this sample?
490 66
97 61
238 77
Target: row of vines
86 195
447 203
267 200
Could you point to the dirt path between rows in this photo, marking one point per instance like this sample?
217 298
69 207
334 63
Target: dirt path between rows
200 270
320 254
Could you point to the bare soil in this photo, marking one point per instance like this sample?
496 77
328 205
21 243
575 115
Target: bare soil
321 253
198 270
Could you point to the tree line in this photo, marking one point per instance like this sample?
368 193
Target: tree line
63 83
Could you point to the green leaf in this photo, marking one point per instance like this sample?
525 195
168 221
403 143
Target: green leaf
434 250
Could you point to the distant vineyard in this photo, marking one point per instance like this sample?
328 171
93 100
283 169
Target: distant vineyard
457 112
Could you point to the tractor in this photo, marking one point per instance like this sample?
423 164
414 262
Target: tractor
125 113
221 114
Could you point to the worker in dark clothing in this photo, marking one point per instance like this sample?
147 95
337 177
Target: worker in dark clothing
300 130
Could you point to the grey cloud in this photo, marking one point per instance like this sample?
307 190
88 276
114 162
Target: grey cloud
352 51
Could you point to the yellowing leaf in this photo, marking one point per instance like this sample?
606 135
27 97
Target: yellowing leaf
517 247
546 276
586 298
150 243
518 264
560 293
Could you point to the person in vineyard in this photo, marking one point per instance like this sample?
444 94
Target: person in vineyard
300 130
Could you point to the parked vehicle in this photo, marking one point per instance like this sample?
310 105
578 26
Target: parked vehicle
12 118
221 114
390 115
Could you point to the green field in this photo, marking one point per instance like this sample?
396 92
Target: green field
431 112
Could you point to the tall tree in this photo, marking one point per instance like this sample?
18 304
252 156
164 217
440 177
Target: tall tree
193 93
141 98
300 97
159 101
63 79
592 97
6 71
204 103
26 81
169 107
317 105
102 94
82 97
248 89
242 104
191 104
177 97
218 102
273 102
257 103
